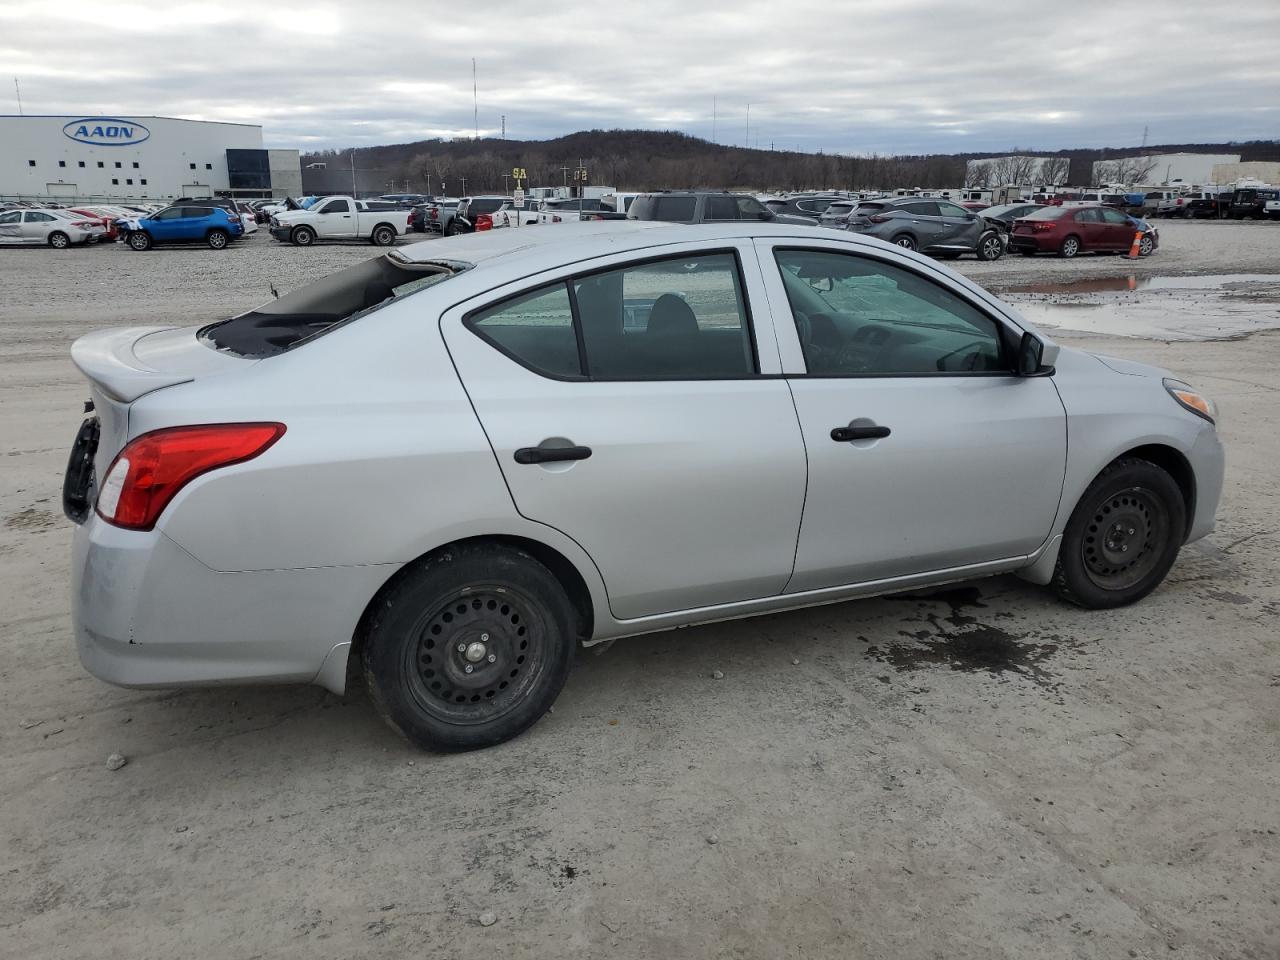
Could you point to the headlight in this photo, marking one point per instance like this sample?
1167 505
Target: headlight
1196 402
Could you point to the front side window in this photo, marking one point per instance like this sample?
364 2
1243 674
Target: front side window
337 206
721 208
13 216
1114 216
857 316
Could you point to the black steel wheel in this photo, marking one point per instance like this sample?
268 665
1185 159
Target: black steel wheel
470 647
1122 537
383 236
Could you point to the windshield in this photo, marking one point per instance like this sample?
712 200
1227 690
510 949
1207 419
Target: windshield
309 311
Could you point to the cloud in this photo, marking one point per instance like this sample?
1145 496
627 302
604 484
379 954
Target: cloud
906 76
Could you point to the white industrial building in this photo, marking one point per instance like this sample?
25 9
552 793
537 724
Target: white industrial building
1160 168
154 158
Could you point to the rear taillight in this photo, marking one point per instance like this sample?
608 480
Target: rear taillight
152 468
84 224
555 219
484 221
435 214
1042 226
880 218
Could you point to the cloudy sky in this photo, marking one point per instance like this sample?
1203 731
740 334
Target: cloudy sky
900 76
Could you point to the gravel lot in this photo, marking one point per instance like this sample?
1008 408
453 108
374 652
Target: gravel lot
981 772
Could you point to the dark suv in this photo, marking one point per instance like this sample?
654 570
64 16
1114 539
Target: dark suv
697 206
936 227
1251 202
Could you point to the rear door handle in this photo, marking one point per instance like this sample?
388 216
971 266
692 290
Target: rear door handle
844 434
551 454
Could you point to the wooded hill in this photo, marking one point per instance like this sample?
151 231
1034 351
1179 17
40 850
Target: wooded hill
653 159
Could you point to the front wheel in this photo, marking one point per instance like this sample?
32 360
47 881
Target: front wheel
905 241
1146 246
140 240
1123 536
990 247
1070 247
453 230
217 239
383 236
303 236
470 648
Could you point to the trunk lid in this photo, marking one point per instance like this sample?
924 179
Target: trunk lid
122 365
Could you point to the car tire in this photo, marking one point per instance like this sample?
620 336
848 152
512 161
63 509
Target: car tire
453 230
905 240
383 236
990 246
139 240
217 239
1146 246
1070 247
302 236
492 601
1096 568
59 240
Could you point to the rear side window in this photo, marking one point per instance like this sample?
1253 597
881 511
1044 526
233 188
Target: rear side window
922 208
197 211
535 329
671 209
675 319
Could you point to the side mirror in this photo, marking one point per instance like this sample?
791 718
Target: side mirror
766 214
1030 354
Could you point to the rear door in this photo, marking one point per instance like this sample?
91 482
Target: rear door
11 226
926 222
1090 229
631 405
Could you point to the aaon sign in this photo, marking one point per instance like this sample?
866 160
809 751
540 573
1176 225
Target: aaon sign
106 131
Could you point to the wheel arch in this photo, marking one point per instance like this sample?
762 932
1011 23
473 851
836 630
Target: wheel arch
1173 462
561 567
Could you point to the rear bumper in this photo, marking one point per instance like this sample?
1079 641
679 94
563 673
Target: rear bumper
145 613
1018 241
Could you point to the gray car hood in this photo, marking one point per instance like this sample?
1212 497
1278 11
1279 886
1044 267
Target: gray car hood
1132 368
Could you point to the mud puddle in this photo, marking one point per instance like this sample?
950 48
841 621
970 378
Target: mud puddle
1214 307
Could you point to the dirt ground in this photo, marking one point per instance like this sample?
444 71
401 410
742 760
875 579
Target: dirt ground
978 773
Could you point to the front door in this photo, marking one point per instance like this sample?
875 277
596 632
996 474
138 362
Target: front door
1120 230
11 226
960 227
629 406
336 219
164 225
925 453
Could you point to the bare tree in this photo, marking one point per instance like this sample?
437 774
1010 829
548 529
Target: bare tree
977 173
1054 170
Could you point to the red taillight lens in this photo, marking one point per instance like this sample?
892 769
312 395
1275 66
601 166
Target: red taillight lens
1042 226
484 221
879 218
152 468
555 219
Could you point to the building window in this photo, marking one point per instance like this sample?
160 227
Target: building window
31 163
62 163
208 166
143 182
115 182
135 164
193 166
129 182
117 164
81 163
101 164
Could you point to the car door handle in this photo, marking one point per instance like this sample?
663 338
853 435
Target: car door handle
845 434
551 454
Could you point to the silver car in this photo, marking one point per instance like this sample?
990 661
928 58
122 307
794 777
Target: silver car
457 461
53 227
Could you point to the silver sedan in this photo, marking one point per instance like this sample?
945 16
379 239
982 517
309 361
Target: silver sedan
457 461
55 228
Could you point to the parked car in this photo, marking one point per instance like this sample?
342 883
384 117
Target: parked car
1068 231
836 215
936 227
50 226
559 368
405 200
1002 216
511 214
440 214
101 217
803 207
475 213
1251 202
1272 209
698 206
342 218
188 222
575 210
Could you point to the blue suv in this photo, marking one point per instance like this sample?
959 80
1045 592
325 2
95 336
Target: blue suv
184 223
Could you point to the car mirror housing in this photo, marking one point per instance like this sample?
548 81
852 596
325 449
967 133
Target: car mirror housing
1029 361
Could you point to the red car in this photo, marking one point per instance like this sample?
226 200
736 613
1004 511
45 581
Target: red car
1068 231
97 216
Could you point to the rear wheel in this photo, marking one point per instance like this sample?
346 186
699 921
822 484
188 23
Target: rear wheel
470 648
383 236
990 246
59 240
1070 247
303 236
217 239
1123 536
905 240
453 229
140 240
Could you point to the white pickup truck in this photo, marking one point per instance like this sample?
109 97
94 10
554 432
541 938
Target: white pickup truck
342 218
